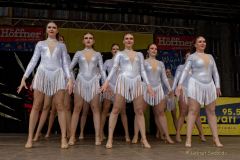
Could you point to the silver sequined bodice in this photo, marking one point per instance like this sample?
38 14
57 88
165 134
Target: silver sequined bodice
201 72
88 69
49 61
157 76
127 68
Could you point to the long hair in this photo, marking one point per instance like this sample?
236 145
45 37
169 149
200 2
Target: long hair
60 36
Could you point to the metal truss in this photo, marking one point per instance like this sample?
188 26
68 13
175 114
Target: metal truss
161 29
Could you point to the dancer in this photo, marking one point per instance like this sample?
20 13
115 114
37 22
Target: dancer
109 97
182 102
130 65
201 88
156 74
87 85
170 101
49 80
47 105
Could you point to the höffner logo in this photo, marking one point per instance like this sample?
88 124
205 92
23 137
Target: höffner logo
33 34
173 41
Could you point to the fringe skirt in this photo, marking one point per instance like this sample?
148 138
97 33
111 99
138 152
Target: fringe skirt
87 89
129 88
49 82
159 95
202 93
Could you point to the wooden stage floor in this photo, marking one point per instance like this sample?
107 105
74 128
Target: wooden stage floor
12 148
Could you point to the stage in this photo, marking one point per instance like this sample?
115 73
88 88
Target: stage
12 148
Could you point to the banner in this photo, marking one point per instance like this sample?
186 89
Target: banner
20 38
228 118
171 49
173 42
171 58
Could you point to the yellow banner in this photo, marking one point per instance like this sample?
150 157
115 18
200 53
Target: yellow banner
228 118
103 39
